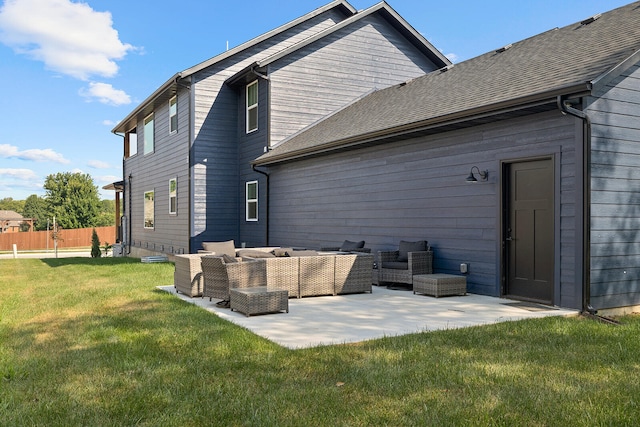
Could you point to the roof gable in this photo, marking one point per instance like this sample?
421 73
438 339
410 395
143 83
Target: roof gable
561 61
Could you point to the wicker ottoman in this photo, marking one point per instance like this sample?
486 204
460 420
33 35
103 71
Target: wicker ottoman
187 277
439 285
257 300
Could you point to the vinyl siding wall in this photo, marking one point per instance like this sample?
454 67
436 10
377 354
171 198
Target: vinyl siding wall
216 199
416 189
337 70
152 171
615 193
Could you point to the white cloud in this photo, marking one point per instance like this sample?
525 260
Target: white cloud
98 164
108 179
452 57
19 174
109 122
70 38
106 94
35 154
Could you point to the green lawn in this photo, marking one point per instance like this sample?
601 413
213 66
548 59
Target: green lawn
91 342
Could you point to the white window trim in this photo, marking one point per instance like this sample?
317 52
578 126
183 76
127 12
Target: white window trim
144 215
175 212
248 201
129 133
175 114
144 127
251 107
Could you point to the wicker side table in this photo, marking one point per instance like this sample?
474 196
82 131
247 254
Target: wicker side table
439 285
258 300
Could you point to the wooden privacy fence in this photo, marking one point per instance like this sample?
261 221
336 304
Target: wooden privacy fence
37 240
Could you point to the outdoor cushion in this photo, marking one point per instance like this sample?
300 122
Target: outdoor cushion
349 245
254 253
228 259
282 251
220 248
406 247
396 265
302 253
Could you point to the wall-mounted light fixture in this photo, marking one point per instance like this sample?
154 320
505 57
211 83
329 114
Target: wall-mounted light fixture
484 175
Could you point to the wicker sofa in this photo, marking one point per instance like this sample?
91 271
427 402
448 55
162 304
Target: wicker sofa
318 274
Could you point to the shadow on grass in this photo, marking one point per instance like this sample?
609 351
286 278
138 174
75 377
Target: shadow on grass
107 261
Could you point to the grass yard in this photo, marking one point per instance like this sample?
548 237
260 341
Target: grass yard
91 342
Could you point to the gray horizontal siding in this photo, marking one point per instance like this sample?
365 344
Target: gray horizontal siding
338 69
615 200
152 172
416 189
216 198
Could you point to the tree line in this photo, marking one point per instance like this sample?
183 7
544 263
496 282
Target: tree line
70 197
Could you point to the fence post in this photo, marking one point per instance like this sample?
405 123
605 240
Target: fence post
15 250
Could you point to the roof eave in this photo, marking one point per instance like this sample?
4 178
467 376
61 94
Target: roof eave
579 89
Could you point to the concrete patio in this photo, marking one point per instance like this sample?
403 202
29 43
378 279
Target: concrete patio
352 318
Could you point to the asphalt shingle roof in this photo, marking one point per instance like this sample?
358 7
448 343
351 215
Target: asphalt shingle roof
560 61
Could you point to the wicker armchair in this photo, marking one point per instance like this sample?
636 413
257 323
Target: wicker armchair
187 277
219 276
392 268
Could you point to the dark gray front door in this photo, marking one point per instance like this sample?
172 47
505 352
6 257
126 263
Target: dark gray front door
529 242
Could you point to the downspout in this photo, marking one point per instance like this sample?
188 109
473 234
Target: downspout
566 108
129 222
189 157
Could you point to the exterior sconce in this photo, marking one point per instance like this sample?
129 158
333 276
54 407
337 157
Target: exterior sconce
484 175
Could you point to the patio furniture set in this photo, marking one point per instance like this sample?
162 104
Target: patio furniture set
261 280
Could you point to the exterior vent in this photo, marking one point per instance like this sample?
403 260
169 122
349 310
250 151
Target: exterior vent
590 19
445 69
503 48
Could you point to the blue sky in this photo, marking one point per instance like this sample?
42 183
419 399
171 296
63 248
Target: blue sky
71 70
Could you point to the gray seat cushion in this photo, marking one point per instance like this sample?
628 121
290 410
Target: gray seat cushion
396 265
220 248
406 247
254 253
349 245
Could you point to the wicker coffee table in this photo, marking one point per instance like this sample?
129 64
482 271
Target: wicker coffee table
258 300
439 285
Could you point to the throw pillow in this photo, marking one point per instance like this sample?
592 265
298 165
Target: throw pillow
406 247
282 251
350 246
228 259
254 253
220 248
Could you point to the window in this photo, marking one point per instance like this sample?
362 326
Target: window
252 201
148 134
173 114
252 106
131 143
149 210
173 196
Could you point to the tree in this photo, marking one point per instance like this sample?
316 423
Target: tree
73 199
95 245
8 204
107 215
36 207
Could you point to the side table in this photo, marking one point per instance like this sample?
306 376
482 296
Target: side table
439 285
258 300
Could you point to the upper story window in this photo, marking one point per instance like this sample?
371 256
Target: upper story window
173 114
252 106
131 143
252 200
148 134
173 196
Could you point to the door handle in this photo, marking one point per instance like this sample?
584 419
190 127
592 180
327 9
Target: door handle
508 239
